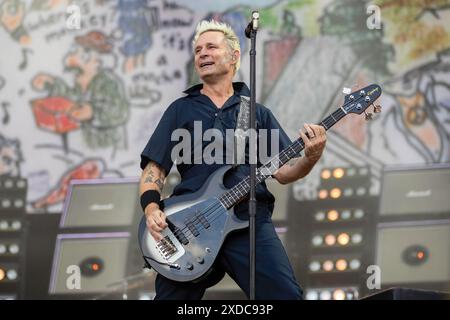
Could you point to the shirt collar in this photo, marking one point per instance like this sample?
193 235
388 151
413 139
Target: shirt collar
240 89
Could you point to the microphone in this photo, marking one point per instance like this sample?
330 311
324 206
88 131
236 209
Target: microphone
253 24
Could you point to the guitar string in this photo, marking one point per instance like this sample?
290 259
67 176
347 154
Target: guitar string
330 120
207 211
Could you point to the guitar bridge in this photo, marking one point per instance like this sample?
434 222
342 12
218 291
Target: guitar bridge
166 247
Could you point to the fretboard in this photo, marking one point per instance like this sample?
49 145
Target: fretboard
241 190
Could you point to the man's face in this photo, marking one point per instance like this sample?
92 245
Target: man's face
81 60
213 57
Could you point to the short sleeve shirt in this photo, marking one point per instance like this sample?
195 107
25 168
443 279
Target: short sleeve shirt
196 113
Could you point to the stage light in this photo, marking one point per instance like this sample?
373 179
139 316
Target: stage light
343 239
2 274
358 214
341 264
145 296
333 215
351 172
328 265
326 174
14 248
357 238
6 203
361 191
18 203
21 184
16 225
335 193
323 194
338 294
338 173
319 216
355 264
330 240
420 255
9 184
363 171
314 266
11 274
346 214
312 295
325 295
352 295
317 240
2 248
348 192
4 225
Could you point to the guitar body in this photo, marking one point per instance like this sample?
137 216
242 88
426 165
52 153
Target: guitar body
205 223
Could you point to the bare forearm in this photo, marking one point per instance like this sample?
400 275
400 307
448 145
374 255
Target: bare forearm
295 169
152 178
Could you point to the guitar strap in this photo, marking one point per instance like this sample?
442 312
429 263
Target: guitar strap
241 131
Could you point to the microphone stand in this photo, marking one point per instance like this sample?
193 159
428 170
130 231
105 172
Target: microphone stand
251 33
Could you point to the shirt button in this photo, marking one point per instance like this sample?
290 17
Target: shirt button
215 114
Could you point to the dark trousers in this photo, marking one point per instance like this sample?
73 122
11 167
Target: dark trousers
274 275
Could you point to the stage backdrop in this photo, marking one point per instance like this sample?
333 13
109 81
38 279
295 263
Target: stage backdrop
130 58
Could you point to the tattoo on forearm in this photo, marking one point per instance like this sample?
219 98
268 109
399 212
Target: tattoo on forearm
154 177
292 162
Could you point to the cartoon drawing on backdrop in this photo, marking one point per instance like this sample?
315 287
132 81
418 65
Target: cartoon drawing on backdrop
422 109
4 118
417 30
12 15
278 51
10 157
417 105
136 32
88 169
237 21
96 103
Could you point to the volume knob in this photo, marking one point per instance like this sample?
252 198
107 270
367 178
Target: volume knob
200 260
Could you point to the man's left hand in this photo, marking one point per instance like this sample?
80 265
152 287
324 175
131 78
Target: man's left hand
315 144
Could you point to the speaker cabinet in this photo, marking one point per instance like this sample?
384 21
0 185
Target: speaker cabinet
415 252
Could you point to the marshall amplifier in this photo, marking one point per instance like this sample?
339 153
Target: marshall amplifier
414 252
415 191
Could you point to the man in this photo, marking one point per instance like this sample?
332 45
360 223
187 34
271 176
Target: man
216 103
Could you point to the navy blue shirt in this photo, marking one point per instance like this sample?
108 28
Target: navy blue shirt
198 107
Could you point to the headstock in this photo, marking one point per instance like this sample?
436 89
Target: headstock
358 101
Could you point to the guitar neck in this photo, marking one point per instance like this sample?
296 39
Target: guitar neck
241 190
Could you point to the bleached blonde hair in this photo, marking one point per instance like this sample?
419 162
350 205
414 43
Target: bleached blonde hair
230 36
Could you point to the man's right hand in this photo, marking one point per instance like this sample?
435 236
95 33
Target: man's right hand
156 221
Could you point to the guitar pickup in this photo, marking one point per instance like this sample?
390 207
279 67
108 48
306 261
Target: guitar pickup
180 236
192 228
203 221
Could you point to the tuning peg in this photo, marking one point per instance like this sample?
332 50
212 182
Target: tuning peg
369 115
377 108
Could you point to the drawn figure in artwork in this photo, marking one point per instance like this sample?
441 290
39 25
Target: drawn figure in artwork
12 14
136 28
422 99
10 157
96 103
89 169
